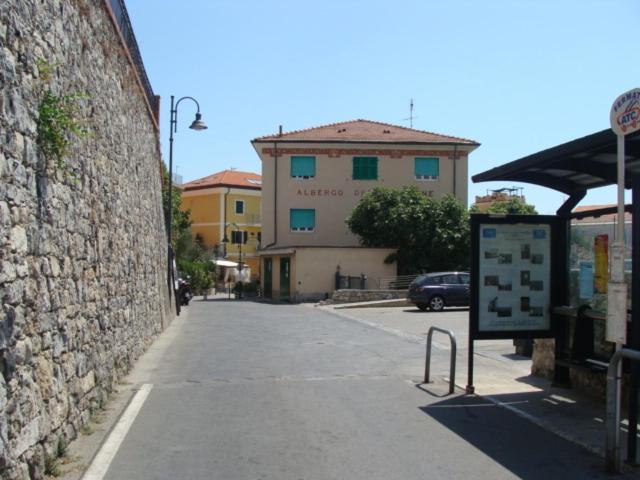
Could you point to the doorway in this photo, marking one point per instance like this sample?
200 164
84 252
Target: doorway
285 275
268 278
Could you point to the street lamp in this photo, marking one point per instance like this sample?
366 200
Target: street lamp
197 124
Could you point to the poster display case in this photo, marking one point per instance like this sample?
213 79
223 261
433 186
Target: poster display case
511 276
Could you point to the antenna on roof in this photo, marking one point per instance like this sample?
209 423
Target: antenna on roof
411 117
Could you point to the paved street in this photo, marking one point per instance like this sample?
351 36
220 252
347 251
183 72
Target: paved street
243 390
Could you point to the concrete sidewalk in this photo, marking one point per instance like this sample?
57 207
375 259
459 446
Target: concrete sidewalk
499 375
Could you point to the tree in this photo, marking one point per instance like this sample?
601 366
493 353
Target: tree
192 257
181 221
511 206
429 234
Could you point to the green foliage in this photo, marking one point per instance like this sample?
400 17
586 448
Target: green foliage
194 261
181 221
59 121
52 466
511 206
429 234
198 273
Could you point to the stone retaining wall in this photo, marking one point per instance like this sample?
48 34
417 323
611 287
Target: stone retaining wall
350 296
82 247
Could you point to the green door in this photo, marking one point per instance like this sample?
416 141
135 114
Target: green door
268 278
285 275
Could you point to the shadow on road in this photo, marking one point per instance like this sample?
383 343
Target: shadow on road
525 449
433 389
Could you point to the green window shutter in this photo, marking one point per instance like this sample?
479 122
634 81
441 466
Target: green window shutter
303 166
356 168
373 168
427 168
302 219
365 168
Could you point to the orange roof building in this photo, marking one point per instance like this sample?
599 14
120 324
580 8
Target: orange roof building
227 204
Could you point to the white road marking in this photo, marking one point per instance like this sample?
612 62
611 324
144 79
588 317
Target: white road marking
107 452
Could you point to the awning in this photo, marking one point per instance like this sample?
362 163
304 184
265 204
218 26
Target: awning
224 263
573 167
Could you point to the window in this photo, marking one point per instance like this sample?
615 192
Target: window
365 168
427 168
239 207
303 167
302 219
450 279
239 236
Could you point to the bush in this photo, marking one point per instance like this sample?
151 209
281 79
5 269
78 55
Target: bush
198 273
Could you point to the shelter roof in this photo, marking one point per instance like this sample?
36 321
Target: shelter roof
573 167
226 178
365 131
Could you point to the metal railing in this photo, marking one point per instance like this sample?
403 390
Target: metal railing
356 282
126 30
401 282
454 348
613 457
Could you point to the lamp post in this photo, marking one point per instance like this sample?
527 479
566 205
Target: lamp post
197 124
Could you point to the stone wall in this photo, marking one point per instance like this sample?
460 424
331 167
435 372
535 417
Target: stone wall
349 296
82 245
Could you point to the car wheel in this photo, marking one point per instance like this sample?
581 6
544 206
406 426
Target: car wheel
436 303
422 306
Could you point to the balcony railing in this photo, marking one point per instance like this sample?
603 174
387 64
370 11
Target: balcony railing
126 30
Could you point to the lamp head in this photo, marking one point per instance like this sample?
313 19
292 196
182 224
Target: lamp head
225 239
198 124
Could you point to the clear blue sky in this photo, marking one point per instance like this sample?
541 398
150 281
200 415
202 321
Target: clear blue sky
518 76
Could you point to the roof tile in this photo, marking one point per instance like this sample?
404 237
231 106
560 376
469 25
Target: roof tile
226 178
365 131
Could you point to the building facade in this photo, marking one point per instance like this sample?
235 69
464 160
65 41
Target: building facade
312 180
227 204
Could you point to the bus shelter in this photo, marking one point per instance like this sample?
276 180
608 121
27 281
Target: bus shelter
573 168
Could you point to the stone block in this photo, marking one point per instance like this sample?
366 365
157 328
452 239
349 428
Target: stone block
18 240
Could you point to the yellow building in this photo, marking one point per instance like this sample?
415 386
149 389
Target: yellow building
227 203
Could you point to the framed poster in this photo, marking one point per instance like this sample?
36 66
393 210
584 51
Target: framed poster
511 276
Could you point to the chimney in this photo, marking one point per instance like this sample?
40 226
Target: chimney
280 131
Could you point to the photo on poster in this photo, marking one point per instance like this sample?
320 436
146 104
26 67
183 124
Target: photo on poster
525 251
491 281
536 285
524 304
536 312
490 254
504 311
537 259
504 287
525 278
505 258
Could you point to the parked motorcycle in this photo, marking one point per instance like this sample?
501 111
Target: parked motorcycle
185 294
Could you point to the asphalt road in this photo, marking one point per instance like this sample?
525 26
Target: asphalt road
255 391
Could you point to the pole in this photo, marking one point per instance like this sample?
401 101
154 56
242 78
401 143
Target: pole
634 331
169 200
470 388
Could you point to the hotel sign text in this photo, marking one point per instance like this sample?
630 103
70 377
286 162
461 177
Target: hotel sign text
339 192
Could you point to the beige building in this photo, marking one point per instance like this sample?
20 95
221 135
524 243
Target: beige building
312 180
